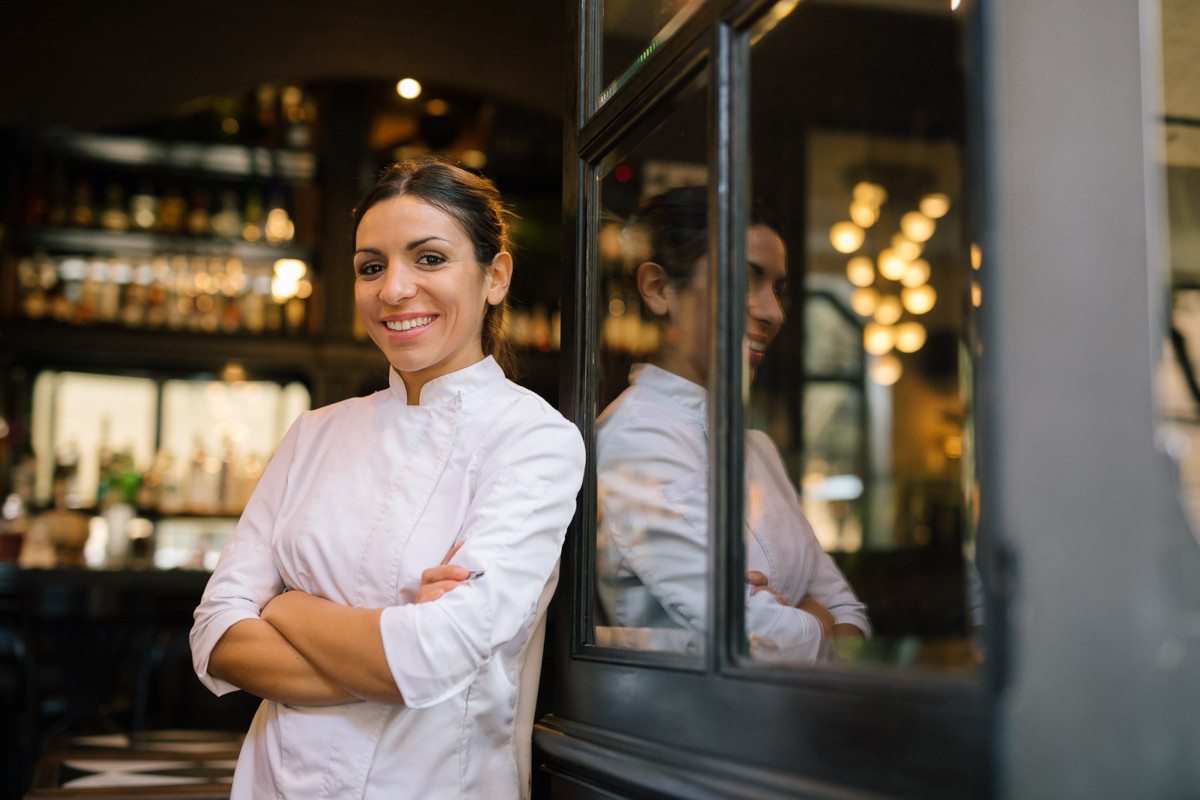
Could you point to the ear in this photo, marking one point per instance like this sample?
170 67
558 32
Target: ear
499 276
652 284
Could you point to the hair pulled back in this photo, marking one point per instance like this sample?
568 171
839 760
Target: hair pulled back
475 204
675 223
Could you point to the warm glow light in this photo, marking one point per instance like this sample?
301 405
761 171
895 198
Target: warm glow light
916 273
437 108
976 256
473 159
905 247
290 269
860 271
863 301
870 193
976 294
954 4
917 226
283 289
864 215
846 237
935 205
910 337
918 299
886 370
878 339
408 89
891 265
889 309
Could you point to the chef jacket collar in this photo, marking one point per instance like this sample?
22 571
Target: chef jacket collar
681 393
474 383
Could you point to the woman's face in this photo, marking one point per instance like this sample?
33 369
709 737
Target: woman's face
419 290
688 331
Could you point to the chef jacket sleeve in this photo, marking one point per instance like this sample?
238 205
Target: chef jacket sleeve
246 576
527 482
653 496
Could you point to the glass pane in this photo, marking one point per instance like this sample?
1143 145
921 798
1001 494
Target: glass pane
856 264
632 31
218 436
651 437
80 419
1179 370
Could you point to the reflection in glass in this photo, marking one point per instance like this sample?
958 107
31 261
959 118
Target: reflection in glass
1179 369
633 30
862 391
653 465
652 566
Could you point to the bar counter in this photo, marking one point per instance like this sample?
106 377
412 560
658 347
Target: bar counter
100 652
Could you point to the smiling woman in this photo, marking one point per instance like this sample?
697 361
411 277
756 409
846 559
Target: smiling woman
385 590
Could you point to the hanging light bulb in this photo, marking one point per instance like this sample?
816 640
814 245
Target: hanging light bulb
870 193
934 205
905 247
976 294
976 256
888 310
878 339
917 226
846 236
910 336
918 299
861 271
885 370
864 300
891 265
862 214
916 273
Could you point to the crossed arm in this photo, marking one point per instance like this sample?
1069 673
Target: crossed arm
308 651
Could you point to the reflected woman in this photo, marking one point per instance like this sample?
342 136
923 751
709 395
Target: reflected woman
652 465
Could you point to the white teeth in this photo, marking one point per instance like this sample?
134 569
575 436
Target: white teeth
757 347
408 324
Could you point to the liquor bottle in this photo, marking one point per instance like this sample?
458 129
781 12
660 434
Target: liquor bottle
114 217
199 222
143 208
252 228
172 211
83 214
227 222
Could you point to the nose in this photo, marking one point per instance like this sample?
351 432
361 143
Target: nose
763 306
398 285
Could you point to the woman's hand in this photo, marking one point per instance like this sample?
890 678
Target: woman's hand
758 581
436 581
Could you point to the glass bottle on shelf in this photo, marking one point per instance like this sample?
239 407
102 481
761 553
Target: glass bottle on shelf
199 221
114 217
227 221
143 208
83 213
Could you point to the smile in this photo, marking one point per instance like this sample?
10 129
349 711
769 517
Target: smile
408 324
757 347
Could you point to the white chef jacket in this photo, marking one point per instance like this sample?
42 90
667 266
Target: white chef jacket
652 540
359 499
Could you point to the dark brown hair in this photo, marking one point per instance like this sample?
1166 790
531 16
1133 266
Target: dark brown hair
473 202
676 226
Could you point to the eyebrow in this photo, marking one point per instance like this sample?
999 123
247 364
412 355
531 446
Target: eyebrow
413 245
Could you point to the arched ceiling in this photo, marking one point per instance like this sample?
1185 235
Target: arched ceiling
88 64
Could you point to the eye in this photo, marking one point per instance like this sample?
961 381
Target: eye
781 289
430 260
369 268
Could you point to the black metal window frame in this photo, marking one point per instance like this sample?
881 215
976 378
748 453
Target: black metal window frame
635 722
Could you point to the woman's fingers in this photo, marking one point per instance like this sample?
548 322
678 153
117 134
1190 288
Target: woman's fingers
446 572
432 591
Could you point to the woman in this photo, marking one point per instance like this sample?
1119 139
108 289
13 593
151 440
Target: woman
384 589
652 464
